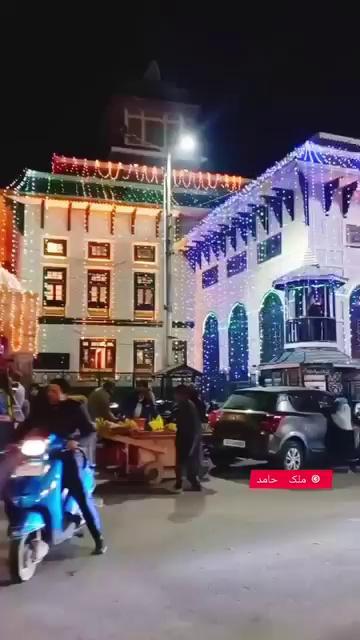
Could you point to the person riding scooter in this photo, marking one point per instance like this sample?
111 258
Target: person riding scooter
64 418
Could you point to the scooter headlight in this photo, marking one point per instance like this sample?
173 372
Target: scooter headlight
34 447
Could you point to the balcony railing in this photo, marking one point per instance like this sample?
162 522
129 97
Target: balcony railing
311 330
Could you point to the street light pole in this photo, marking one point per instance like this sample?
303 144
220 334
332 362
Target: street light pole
168 249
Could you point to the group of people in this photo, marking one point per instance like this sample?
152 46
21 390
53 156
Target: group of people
189 415
51 409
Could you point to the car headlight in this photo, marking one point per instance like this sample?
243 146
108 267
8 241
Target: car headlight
34 447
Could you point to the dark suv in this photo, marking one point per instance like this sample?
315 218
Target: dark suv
283 424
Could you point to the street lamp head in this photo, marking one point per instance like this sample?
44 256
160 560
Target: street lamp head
187 143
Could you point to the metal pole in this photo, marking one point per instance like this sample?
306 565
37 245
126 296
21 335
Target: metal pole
168 252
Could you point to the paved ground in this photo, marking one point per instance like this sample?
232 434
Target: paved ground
230 564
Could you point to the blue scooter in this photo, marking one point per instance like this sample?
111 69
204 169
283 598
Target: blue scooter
41 512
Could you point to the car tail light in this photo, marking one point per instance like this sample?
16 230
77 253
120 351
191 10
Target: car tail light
214 417
270 423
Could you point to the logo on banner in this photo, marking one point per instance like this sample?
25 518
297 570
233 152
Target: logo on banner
260 479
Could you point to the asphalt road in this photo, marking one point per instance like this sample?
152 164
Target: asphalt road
229 563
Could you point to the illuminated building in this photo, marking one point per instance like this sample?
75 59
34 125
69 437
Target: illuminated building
92 251
272 280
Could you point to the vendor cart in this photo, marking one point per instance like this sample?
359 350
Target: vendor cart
139 455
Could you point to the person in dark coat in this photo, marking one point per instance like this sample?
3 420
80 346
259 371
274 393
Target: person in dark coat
142 405
199 403
188 439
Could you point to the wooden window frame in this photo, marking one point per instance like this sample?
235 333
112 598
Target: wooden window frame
61 241
110 343
99 243
138 245
58 305
184 346
144 312
98 308
137 344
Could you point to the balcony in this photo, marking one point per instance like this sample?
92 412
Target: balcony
311 330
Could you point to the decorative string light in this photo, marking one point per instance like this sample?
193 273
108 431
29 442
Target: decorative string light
152 175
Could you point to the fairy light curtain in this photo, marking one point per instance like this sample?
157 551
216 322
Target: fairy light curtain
238 337
355 322
271 325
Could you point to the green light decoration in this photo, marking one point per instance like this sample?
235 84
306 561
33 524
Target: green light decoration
271 325
37 183
238 344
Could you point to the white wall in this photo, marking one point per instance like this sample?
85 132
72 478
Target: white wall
248 287
66 338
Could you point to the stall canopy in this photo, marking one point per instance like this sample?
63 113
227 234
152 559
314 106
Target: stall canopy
170 377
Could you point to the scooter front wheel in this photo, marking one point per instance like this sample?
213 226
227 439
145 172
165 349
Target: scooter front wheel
22 562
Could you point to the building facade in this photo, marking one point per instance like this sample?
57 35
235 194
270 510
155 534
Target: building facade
275 274
92 250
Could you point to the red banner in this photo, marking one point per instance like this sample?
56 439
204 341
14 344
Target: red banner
262 479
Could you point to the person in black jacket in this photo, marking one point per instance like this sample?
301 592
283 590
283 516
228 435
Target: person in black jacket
142 404
68 419
188 439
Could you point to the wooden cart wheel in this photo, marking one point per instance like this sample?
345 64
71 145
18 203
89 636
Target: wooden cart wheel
152 473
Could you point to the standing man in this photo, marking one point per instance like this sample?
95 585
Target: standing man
188 439
99 402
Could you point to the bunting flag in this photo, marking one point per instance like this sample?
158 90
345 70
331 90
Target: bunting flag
262 213
215 244
287 197
223 235
275 203
190 256
346 196
222 241
241 222
304 186
329 189
233 237
198 260
204 249
252 224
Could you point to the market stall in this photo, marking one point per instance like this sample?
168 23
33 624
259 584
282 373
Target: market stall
131 452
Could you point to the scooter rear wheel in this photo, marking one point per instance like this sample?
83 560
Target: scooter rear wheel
22 562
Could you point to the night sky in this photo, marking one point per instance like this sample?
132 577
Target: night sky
266 82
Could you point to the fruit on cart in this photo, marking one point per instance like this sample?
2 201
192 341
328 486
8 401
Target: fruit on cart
99 423
157 424
171 426
129 424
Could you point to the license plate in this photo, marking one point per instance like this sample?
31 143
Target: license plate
235 443
30 469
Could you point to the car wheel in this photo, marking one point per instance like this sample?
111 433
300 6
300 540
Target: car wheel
222 459
292 456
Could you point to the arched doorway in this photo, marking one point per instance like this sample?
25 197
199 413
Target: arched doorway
271 327
211 352
355 322
238 337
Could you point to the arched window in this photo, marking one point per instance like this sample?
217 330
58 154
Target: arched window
211 346
271 326
238 344
355 322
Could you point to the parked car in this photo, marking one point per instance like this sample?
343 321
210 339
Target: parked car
284 425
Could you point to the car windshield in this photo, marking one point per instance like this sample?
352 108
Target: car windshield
252 401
